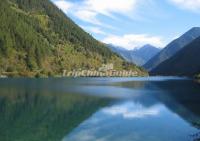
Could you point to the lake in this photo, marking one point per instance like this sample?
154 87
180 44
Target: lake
100 109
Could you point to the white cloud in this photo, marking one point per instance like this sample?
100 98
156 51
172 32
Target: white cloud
89 10
132 41
87 16
63 5
106 7
93 29
193 5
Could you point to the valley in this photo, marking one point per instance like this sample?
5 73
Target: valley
53 44
99 70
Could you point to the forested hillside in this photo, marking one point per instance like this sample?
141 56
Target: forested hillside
38 38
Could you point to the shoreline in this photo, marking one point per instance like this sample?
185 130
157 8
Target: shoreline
47 77
75 73
94 73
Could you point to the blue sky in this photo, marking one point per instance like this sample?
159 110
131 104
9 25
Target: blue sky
133 23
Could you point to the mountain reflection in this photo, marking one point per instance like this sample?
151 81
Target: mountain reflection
28 114
90 109
181 97
169 108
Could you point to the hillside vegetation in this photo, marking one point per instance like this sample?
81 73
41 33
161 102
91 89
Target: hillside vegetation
38 38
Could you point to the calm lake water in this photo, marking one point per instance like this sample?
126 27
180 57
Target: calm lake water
100 109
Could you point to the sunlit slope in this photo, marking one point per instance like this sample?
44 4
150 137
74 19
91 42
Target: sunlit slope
37 37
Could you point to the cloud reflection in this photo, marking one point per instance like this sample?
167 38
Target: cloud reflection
131 121
132 110
104 125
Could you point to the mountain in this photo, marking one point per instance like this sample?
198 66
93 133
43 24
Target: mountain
184 62
173 47
121 52
146 52
138 56
38 38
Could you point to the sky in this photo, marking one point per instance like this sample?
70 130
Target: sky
133 23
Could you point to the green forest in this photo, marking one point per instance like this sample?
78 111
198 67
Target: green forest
38 39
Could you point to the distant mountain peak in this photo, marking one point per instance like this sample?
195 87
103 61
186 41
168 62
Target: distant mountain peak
149 46
194 28
192 31
138 56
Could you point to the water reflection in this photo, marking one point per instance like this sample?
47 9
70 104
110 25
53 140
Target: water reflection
123 122
37 114
99 109
162 111
130 110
